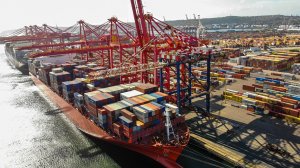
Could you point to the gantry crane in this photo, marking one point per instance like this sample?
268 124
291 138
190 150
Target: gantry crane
166 53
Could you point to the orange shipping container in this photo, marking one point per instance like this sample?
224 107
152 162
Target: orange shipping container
288 100
280 89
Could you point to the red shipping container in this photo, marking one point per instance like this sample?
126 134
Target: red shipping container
92 110
129 115
249 88
275 74
238 76
288 105
292 112
117 128
280 89
127 132
258 86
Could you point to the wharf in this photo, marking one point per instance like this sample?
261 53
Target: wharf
245 132
229 155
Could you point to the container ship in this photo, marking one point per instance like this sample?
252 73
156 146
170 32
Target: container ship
134 116
17 57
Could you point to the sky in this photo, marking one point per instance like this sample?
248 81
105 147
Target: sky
19 13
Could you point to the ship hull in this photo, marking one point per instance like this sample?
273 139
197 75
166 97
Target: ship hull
165 155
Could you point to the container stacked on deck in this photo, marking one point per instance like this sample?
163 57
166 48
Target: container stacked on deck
148 115
270 95
80 71
71 87
117 90
137 110
33 66
146 88
79 101
107 82
44 71
296 69
57 77
113 112
130 94
69 67
96 100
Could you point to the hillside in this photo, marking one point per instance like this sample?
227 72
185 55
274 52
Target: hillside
272 20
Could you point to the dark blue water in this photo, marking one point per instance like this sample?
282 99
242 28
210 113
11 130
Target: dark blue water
34 133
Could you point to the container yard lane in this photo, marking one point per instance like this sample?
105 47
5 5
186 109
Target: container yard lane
34 133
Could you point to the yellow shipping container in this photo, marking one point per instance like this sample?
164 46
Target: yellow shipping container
227 93
228 97
222 79
237 98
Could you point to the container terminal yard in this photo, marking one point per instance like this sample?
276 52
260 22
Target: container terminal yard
163 93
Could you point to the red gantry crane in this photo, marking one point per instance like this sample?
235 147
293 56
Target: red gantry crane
152 51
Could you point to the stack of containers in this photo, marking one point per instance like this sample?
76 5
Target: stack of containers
44 72
117 90
78 101
118 129
94 101
265 103
106 82
160 97
292 89
69 68
139 100
57 77
129 115
33 66
130 94
127 126
113 112
149 114
296 69
146 88
102 119
70 87
80 71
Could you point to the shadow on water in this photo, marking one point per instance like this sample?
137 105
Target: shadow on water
123 157
54 112
90 152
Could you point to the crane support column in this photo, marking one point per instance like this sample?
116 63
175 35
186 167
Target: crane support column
208 83
190 81
161 78
178 85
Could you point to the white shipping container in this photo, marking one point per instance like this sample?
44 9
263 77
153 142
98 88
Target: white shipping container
130 94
